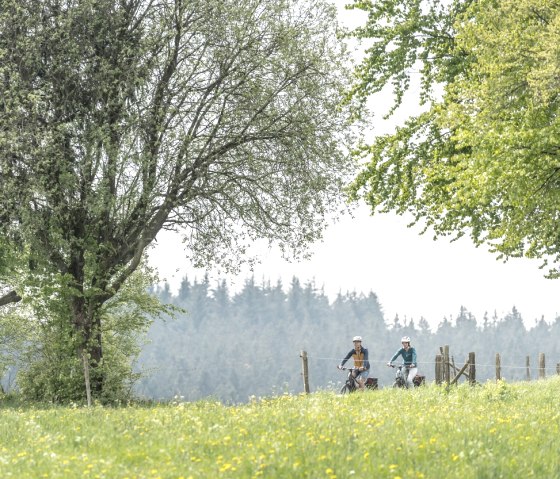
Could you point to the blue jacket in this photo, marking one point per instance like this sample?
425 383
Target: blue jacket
409 357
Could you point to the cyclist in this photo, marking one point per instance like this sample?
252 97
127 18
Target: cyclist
361 362
408 354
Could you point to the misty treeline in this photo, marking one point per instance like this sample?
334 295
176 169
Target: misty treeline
235 346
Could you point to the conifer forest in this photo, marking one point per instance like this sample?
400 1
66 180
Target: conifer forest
232 347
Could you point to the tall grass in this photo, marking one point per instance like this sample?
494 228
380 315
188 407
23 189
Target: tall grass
491 431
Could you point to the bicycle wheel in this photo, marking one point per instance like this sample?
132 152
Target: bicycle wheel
345 389
399 384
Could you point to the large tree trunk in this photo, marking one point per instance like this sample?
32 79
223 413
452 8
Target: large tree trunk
95 352
88 332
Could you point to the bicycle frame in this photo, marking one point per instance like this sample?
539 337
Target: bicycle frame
400 376
351 383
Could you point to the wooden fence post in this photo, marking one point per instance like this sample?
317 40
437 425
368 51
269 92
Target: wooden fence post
527 365
305 371
446 365
85 361
541 366
439 368
461 371
498 367
472 369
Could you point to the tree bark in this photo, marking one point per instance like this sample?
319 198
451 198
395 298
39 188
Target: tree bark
11 297
88 330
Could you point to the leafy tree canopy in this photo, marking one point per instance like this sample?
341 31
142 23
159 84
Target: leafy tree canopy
121 118
483 160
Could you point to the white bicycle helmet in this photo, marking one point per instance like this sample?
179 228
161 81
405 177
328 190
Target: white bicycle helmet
357 338
405 339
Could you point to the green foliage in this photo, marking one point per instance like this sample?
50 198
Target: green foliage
119 119
15 324
500 391
52 371
404 38
483 159
14 332
455 434
13 259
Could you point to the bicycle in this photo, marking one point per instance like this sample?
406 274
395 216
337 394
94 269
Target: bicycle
400 376
351 383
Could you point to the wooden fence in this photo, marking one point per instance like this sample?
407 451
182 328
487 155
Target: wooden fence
446 372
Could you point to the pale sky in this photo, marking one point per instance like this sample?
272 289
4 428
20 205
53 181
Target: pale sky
412 275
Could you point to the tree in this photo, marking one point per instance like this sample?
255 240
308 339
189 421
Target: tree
15 327
512 335
14 333
48 366
424 327
482 160
122 118
10 258
184 290
465 323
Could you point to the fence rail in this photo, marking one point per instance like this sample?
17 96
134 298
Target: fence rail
444 363
446 372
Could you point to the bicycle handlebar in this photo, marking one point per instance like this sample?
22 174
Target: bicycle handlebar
342 368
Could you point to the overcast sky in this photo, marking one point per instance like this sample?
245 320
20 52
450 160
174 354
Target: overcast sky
412 275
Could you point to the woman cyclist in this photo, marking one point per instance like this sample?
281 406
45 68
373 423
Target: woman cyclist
408 354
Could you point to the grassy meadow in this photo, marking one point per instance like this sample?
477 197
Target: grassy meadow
491 431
